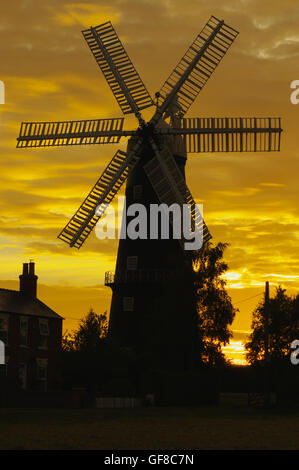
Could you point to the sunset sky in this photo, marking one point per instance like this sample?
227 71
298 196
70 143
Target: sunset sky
250 200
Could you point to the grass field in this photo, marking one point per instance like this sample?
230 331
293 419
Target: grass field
231 425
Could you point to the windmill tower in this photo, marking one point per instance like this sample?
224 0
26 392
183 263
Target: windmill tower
148 270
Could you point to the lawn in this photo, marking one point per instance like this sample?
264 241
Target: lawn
231 425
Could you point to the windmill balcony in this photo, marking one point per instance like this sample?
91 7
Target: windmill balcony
138 275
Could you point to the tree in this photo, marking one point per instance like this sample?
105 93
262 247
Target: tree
215 311
283 327
84 351
91 332
93 361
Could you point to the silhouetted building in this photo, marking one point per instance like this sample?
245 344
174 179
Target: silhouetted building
32 335
152 286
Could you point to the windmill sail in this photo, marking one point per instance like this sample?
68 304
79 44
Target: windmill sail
49 134
197 65
231 134
93 207
170 188
178 93
120 73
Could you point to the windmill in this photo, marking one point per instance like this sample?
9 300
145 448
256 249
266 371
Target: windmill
155 159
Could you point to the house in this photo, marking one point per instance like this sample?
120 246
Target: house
31 332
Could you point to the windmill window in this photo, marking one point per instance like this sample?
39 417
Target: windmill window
128 304
137 192
132 262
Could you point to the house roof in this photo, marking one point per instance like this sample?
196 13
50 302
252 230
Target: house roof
12 301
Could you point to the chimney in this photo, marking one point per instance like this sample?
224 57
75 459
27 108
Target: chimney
28 280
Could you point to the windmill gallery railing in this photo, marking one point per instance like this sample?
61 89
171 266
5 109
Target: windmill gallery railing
139 276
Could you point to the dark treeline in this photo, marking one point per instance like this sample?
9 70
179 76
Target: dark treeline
283 329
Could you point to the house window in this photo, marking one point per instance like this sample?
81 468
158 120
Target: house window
3 370
43 326
4 367
44 332
132 262
128 304
24 331
4 328
22 375
41 374
137 192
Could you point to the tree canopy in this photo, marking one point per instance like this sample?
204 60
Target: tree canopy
283 327
214 306
87 337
